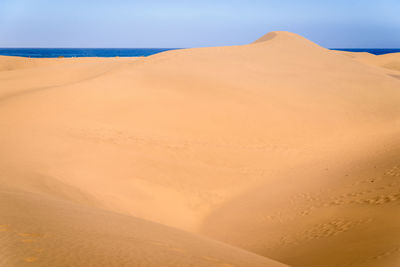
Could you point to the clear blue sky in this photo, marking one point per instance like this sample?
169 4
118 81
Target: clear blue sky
179 23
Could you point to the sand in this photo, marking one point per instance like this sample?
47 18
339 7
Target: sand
274 153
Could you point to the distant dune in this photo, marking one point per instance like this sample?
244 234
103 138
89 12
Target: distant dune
276 151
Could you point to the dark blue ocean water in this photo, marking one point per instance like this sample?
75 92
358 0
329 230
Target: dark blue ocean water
122 52
81 52
375 51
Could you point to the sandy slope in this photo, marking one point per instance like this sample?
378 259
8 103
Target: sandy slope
42 231
280 147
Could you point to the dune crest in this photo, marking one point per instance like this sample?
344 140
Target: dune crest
283 37
281 148
267 37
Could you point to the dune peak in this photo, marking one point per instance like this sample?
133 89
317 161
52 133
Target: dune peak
283 36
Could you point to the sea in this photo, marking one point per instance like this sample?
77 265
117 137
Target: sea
81 52
375 51
126 52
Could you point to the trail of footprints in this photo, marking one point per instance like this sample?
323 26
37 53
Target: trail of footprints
332 228
386 191
121 138
322 230
27 240
378 257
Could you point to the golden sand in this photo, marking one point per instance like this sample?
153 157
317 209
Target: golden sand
224 156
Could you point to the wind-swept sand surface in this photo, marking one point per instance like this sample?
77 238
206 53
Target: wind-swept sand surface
276 151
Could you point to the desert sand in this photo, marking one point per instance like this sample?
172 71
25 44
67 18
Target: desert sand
276 153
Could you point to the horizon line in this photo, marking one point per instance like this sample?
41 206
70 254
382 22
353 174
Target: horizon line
331 48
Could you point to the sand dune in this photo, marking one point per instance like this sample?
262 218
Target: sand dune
280 149
44 231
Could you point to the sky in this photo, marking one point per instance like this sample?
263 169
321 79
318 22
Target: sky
182 24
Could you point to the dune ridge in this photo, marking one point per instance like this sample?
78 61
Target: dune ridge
276 151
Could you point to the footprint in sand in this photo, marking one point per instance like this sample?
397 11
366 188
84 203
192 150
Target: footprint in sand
31 235
217 261
28 238
176 249
3 227
31 259
168 247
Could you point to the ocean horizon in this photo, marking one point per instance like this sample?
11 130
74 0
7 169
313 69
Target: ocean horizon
132 52
81 52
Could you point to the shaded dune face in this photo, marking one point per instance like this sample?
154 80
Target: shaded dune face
266 37
38 230
280 149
